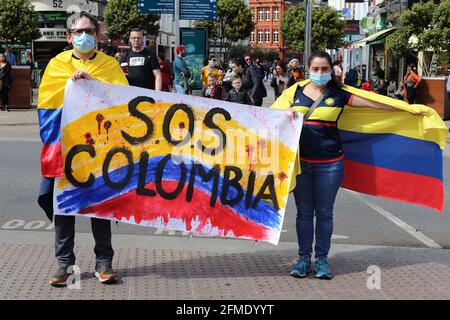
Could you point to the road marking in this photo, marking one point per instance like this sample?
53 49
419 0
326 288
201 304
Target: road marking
338 237
430 243
19 139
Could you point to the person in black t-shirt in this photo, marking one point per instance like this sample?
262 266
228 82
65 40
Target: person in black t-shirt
143 67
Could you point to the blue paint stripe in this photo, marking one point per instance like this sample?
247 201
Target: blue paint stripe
50 124
395 152
79 198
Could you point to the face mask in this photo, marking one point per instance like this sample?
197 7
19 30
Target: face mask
84 43
320 79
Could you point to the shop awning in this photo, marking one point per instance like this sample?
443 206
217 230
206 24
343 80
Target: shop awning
371 39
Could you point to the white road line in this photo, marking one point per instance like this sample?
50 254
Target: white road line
406 227
18 139
338 237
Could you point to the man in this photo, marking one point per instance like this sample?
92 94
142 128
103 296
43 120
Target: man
83 62
181 70
253 83
143 67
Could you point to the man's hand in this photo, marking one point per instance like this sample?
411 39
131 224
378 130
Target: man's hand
80 74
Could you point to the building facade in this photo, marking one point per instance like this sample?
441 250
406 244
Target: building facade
267 16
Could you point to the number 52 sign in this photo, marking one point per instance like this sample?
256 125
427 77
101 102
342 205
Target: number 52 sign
68 6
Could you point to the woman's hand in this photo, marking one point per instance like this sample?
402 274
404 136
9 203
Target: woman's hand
81 75
292 112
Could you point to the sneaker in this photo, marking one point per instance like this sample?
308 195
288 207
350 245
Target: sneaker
105 274
301 268
59 279
323 269
6 109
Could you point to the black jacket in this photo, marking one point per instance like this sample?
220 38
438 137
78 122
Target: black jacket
5 76
239 97
254 84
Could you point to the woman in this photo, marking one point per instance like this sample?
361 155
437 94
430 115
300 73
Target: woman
280 79
165 72
412 81
321 160
5 79
211 68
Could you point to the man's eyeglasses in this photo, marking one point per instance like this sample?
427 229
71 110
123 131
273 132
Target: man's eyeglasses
79 32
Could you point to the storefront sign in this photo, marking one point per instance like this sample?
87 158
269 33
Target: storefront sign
66 6
352 27
48 34
51 17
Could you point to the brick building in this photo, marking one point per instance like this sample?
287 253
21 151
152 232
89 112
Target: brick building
267 16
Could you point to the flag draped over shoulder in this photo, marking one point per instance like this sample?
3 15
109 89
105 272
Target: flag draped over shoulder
51 97
395 155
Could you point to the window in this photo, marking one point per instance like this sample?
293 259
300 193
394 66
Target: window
267 35
276 14
260 14
260 36
252 36
267 15
275 35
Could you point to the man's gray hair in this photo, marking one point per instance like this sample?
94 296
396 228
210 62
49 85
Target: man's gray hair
74 18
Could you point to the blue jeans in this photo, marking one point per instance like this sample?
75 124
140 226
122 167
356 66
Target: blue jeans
315 194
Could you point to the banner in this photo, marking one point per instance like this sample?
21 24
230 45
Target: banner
176 162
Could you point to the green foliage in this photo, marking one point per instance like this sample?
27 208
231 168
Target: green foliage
121 16
18 22
327 28
428 23
233 23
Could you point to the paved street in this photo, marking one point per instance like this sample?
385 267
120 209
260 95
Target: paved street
409 243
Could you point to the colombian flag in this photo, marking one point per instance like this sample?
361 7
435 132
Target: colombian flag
51 98
394 155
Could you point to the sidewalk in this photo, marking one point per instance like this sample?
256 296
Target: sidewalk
182 268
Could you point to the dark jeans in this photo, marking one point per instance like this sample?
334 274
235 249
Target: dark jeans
410 94
4 96
65 236
315 194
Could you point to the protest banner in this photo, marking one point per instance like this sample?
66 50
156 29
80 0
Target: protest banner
174 161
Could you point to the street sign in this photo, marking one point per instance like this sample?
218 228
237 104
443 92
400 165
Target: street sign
196 44
156 6
198 9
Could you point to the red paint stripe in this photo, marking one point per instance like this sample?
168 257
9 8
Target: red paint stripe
144 208
322 161
396 185
350 100
319 123
51 160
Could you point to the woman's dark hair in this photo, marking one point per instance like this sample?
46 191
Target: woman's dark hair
324 55
161 56
236 76
283 66
238 62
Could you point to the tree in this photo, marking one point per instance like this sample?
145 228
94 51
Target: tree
233 23
121 16
326 33
423 28
18 22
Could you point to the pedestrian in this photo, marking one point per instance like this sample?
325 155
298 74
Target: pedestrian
165 72
29 62
337 69
10 57
83 62
280 79
400 92
321 159
235 66
378 71
382 87
181 70
412 81
237 93
212 90
253 83
211 68
143 67
5 81
352 77
366 85
295 76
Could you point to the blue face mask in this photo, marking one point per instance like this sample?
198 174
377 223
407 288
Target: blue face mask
320 79
84 43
